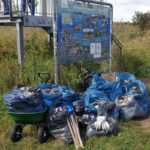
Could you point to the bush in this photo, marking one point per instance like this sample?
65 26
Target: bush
142 20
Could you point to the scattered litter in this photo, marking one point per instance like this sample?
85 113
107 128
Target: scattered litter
53 91
136 89
126 82
124 100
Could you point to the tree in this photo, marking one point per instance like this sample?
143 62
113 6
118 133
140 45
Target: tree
142 20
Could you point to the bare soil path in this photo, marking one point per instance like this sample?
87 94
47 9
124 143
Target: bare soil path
145 124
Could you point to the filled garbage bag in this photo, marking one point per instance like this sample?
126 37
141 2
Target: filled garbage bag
104 90
121 77
68 95
138 90
106 121
109 109
129 107
24 99
50 93
56 121
92 131
125 83
87 78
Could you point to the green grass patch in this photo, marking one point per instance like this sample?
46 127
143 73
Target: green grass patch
40 58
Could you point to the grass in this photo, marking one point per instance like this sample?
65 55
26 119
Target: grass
136 50
40 58
130 137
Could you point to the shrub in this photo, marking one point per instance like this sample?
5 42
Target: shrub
142 20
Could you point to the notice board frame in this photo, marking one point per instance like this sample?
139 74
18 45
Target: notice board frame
55 33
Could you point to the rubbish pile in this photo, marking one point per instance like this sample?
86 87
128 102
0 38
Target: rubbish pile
108 98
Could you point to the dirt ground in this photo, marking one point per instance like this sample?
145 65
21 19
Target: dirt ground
145 124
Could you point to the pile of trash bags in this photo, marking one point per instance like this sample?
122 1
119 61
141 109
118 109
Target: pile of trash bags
126 92
98 109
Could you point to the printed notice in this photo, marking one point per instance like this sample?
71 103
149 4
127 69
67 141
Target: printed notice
64 3
97 56
98 48
92 48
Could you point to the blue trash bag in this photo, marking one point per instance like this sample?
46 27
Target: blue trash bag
142 98
102 89
24 101
117 89
101 84
52 93
111 89
50 96
68 95
125 76
94 94
80 96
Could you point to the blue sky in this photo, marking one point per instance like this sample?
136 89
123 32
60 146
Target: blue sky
124 9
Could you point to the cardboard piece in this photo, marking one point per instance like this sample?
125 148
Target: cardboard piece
109 76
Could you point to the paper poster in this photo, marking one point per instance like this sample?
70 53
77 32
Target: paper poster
97 56
67 19
98 48
92 48
88 34
64 3
83 31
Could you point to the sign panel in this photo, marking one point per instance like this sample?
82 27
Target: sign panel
83 31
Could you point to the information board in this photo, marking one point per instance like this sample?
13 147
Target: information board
83 31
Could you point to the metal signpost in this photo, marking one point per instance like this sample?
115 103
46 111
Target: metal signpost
55 39
84 31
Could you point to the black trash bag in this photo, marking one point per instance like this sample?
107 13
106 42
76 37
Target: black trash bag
87 78
56 122
91 130
129 107
24 99
106 109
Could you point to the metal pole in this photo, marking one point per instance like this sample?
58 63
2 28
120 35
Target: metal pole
20 44
111 48
17 7
49 40
55 39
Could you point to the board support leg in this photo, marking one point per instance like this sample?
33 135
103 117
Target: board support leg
20 44
55 40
